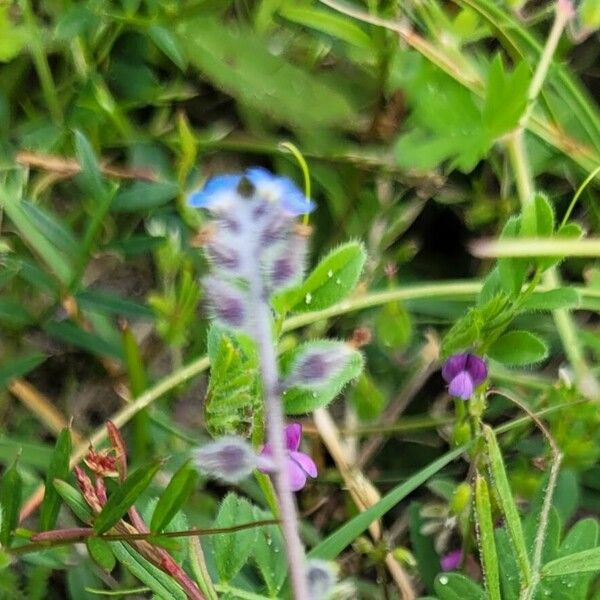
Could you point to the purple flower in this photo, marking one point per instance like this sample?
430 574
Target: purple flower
222 191
299 465
451 561
463 373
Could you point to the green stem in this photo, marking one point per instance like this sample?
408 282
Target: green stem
42 67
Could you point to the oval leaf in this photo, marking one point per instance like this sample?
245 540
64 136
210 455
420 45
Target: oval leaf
331 280
518 348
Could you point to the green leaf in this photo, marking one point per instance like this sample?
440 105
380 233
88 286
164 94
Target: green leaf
159 582
552 300
11 486
368 400
121 500
31 235
58 469
517 348
509 567
512 271
582 536
331 280
334 543
301 399
586 561
239 63
445 124
428 562
327 22
19 366
172 499
233 394
505 500
13 315
110 304
454 586
487 545
232 550
169 44
505 97
537 219
90 170
73 499
144 195
269 554
101 553
393 325
70 333
55 231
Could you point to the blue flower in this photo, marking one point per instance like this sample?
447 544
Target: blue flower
222 189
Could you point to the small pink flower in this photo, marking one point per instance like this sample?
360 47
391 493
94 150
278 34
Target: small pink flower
300 466
451 561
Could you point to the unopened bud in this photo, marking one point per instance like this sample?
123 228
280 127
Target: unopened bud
318 363
229 458
321 578
227 301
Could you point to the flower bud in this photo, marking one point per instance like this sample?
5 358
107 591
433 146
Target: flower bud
227 301
321 578
229 458
318 363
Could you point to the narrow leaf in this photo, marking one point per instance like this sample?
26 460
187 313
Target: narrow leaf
342 537
73 499
485 531
10 502
58 469
123 498
159 582
505 499
101 553
172 499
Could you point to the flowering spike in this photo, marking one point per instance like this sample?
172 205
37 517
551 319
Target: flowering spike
229 458
464 372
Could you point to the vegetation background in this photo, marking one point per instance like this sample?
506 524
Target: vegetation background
112 112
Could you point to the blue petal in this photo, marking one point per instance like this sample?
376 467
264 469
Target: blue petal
205 197
258 175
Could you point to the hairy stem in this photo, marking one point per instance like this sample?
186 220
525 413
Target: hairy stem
275 429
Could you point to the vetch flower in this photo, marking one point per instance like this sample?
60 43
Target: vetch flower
451 561
463 373
222 190
300 466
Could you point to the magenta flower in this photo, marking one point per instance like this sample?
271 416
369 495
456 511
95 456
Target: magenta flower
451 561
463 373
300 466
